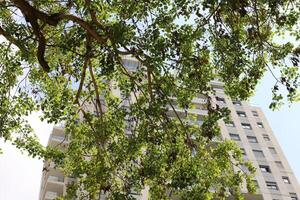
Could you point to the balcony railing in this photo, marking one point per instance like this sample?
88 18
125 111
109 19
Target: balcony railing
50 195
58 138
56 179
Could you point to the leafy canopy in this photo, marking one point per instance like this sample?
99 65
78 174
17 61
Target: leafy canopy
68 59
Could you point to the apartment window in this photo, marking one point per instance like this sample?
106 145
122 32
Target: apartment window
258 153
220 99
286 180
293 196
230 124
241 114
260 125
271 185
246 126
279 164
272 150
237 103
265 168
235 137
252 139
243 151
254 113
266 138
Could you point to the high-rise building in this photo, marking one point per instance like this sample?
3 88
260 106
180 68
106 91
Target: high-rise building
249 128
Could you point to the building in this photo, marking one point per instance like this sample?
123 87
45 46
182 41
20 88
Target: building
249 128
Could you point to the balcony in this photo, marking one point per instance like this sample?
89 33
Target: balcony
50 195
55 179
59 141
190 111
58 138
54 186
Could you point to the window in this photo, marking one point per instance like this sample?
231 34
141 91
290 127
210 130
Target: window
293 196
271 185
272 150
241 114
252 139
260 125
286 180
258 153
254 113
243 151
220 99
266 137
237 103
279 164
265 168
230 124
246 126
235 137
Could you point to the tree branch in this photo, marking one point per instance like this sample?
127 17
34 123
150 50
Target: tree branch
10 38
86 61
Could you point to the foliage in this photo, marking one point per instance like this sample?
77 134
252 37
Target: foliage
66 57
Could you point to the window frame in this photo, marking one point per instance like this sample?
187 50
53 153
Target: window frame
272 150
258 153
230 124
272 185
254 113
243 151
241 113
293 196
235 136
220 99
286 180
236 102
252 139
279 164
266 138
265 169
246 126
260 125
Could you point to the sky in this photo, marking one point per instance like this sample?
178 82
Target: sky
20 175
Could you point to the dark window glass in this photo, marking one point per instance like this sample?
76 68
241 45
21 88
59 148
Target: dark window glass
246 126
293 196
237 103
266 138
265 168
271 185
260 125
286 180
220 99
235 137
241 114
252 139
254 113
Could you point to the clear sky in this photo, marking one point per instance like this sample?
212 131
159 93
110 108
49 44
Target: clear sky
20 176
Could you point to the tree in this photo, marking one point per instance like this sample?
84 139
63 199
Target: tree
59 56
